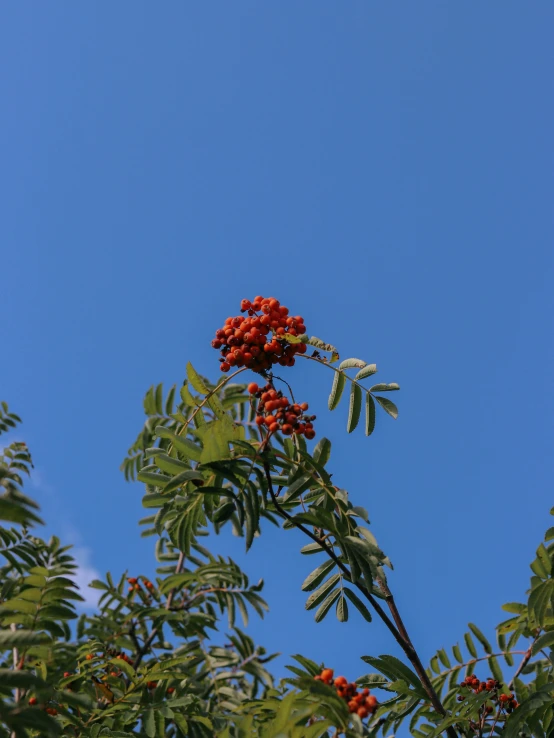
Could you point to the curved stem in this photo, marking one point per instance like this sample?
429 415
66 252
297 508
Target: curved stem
399 633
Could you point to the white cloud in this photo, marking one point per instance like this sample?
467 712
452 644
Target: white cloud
83 576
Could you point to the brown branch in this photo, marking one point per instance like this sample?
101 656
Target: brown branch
398 631
148 642
524 661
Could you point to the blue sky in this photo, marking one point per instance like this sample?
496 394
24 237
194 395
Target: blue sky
386 170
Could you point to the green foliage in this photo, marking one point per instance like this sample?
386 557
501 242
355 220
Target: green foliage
151 659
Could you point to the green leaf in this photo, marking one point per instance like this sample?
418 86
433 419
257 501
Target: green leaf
352 364
457 654
186 447
545 641
480 637
384 387
342 609
149 723
183 478
153 479
18 638
322 451
318 343
10 678
317 576
388 406
496 670
354 408
539 600
326 605
369 414
515 607
470 645
336 390
319 595
367 371
196 381
358 604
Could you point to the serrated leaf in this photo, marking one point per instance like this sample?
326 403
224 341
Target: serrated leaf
186 447
354 408
182 478
480 637
470 645
545 641
388 406
352 364
322 451
326 605
317 576
9 638
342 609
196 381
336 390
358 604
515 607
149 723
319 595
369 414
366 371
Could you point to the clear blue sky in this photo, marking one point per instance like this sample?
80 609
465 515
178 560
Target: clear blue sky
386 170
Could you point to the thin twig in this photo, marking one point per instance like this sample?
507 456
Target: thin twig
148 642
525 660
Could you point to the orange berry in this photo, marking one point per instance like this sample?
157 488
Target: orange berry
327 675
287 429
253 388
33 701
224 366
274 427
341 681
132 580
89 656
363 712
309 433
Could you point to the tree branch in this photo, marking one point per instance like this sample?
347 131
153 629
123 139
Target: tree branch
398 631
148 642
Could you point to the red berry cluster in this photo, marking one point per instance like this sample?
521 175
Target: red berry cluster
246 340
361 702
135 587
507 701
277 413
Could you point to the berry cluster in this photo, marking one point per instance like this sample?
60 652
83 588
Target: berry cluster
277 413
361 702
506 701
135 585
246 340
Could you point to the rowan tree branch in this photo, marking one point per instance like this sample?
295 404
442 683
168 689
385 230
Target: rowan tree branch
398 631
